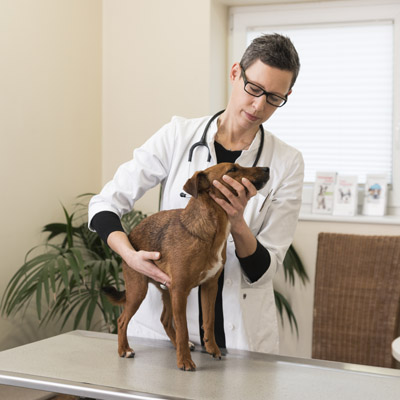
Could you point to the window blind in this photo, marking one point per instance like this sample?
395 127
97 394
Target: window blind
341 110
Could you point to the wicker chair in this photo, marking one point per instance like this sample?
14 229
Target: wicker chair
357 298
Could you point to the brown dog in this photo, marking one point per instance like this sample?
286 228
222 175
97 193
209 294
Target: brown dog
192 244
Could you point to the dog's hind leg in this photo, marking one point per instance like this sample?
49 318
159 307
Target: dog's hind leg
179 302
135 294
123 346
208 295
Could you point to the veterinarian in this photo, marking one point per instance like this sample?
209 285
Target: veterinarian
262 223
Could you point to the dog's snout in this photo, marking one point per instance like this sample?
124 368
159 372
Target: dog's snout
262 177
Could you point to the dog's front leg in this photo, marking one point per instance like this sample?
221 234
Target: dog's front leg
167 317
209 291
184 359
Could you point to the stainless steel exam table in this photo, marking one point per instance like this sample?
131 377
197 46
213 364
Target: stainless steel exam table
86 364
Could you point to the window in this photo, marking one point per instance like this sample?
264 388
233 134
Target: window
342 100
342 113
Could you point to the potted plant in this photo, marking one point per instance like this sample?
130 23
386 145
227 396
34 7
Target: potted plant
64 276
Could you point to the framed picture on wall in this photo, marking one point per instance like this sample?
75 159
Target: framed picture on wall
323 192
345 200
375 195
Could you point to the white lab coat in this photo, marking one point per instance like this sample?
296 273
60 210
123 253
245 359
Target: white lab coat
250 319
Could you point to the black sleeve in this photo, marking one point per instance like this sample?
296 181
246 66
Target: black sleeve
106 222
256 264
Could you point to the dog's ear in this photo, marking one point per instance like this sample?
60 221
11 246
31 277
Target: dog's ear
196 184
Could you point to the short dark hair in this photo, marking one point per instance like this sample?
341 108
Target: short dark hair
274 50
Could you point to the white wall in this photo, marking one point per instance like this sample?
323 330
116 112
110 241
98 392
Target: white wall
50 125
156 64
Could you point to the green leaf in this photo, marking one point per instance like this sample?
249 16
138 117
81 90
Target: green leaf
292 266
95 273
90 312
80 312
78 255
55 229
39 299
283 305
69 228
67 306
52 276
63 270
25 284
131 219
45 281
75 267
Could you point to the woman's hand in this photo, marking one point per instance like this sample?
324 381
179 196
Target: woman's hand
237 202
141 261
245 242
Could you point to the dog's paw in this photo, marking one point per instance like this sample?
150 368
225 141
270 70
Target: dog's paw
192 347
187 365
127 354
217 356
212 349
130 354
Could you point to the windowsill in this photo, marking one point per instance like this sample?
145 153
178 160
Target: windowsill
357 219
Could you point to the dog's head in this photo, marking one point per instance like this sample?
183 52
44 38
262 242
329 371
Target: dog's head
202 181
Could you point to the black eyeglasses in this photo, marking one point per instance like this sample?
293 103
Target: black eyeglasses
256 91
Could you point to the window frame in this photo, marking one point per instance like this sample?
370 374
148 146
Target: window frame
250 17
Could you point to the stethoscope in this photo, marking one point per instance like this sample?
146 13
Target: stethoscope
203 141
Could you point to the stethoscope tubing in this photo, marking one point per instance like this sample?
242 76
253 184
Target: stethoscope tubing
203 141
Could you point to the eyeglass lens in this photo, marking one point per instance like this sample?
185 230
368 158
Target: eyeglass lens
256 91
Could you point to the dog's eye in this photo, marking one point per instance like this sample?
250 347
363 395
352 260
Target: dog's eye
233 169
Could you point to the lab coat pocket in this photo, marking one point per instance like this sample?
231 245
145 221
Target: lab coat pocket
259 318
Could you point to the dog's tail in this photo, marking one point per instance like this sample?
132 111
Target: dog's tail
114 296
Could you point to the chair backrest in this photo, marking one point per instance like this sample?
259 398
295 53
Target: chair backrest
357 298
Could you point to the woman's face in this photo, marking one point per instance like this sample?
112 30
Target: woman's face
250 111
